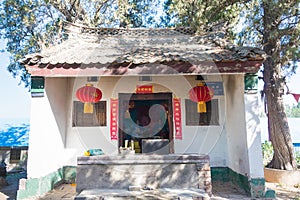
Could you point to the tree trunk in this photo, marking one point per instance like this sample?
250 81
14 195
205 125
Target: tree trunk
279 132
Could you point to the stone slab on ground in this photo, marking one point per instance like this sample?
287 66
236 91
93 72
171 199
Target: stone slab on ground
61 192
284 192
158 194
221 191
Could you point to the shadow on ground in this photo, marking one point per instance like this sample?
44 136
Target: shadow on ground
10 191
221 190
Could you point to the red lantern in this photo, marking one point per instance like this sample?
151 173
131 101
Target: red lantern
201 94
88 95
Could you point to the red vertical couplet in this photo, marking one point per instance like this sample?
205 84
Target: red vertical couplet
113 119
177 118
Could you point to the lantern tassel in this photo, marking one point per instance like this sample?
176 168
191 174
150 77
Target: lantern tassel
201 107
88 107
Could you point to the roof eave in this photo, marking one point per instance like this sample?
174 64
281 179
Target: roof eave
127 69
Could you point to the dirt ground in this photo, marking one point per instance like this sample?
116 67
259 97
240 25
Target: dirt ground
282 192
285 192
221 190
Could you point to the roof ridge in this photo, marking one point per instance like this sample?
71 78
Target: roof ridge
107 31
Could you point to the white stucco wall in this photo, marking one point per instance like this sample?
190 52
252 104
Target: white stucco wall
48 129
203 139
236 124
206 139
55 143
253 136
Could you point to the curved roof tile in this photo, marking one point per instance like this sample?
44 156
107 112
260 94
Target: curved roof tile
89 46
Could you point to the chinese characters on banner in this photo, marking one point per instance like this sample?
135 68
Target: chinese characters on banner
143 89
113 119
177 118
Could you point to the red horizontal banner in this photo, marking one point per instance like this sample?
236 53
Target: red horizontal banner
144 89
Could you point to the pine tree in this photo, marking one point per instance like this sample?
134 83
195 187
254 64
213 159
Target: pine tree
30 25
274 27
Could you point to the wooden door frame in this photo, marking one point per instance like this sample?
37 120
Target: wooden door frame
149 96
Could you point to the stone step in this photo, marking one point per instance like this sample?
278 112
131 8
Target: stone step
157 194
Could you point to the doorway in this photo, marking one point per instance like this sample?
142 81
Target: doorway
146 119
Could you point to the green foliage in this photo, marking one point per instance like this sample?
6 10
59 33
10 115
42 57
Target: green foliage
199 14
273 23
26 25
138 13
292 111
274 27
267 151
297 157
31 25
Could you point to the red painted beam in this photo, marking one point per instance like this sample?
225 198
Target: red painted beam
76 70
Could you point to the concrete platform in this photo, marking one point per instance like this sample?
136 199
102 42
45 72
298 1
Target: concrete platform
159 194
120 172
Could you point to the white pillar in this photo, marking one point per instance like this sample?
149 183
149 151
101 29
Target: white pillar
253 136
47 129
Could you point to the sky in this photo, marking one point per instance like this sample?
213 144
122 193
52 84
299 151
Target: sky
294 87
15 99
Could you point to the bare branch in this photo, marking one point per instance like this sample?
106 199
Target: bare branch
62 8
287 31
101 6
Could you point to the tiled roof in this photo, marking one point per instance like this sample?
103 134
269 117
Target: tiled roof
90 47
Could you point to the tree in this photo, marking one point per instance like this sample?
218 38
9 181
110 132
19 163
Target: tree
138 13
200 13
30 25
26 26
274 25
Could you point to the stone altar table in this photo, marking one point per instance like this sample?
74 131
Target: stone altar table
148 172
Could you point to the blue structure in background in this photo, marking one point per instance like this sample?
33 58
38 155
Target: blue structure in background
294 124
14 133
296 147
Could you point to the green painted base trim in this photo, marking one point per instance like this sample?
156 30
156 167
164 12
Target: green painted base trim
69 174
220 174
254 187
240 180
257 187
226 174
36 187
